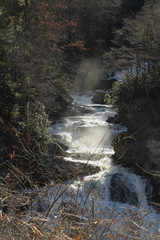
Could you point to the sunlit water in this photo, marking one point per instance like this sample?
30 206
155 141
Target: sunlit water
90 199
89 139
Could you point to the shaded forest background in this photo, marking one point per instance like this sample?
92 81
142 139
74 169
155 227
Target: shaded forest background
48 48
42 46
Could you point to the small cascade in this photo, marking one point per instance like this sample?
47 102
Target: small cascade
89 139
110 203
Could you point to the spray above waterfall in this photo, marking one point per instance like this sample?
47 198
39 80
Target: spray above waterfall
88 74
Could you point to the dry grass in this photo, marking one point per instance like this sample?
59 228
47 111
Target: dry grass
56 211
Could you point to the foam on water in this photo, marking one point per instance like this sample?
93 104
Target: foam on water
83 99
89 138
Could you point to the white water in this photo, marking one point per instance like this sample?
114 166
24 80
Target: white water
89 199
89 138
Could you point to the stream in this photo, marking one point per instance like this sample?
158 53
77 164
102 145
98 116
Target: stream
109 204
89 138
114 192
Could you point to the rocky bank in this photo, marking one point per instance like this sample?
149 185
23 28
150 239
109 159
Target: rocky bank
139 147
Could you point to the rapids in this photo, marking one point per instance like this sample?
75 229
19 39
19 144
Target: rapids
89 139
122 193
111 204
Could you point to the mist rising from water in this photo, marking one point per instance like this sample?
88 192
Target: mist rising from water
88 74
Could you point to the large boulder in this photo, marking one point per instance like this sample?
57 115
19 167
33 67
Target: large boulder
122 190
98 97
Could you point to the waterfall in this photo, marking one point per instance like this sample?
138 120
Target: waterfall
114 191
89 139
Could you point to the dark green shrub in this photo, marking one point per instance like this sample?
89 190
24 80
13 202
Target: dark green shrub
143 85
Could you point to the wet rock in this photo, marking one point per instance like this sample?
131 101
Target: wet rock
76 110
121 190
139 147
114 119
153 144
130 152
98 97
62 170
149 189
153 163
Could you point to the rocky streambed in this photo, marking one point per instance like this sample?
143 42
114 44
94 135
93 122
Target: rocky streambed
90 140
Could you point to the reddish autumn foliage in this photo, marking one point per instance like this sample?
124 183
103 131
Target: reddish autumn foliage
78 44
66 25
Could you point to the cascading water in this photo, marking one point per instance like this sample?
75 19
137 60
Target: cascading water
89 138
111 204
